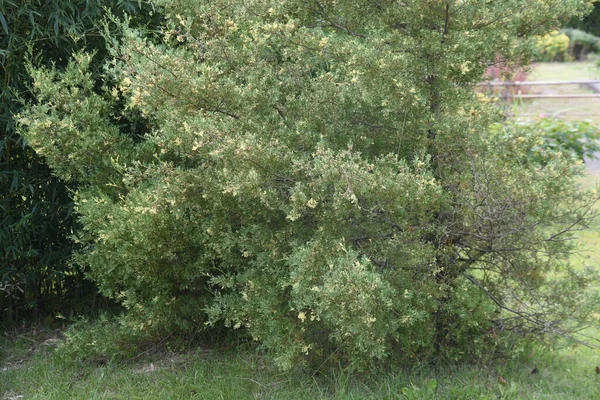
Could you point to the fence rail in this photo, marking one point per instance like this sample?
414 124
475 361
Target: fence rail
539 83
512 91
552 96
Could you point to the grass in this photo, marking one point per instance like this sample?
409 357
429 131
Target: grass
30 369
34 371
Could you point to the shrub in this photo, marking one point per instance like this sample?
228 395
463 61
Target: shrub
553 47
581 43
576 138
321 178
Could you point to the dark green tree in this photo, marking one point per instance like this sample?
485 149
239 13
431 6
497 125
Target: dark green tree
590 23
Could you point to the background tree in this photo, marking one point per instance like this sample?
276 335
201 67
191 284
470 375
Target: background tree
322 175
36 210
590 23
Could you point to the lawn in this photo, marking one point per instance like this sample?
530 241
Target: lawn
31 369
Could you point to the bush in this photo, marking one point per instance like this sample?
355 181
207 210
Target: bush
322 179
553 47
575 138
581 43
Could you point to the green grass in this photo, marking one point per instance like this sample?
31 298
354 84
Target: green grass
34 371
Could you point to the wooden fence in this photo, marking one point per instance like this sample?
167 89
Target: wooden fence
519 90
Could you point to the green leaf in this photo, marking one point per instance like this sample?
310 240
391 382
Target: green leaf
3 23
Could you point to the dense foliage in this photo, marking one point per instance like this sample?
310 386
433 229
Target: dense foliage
567 45
323 176
36 211
578 138
590 23
553 47
582 43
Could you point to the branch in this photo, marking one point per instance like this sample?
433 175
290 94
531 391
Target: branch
346 29
280 112
446 19
335 25
229 114
530 317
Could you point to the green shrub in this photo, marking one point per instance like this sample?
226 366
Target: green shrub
101 341
121 338
576 138
322 179
581 43
553 47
